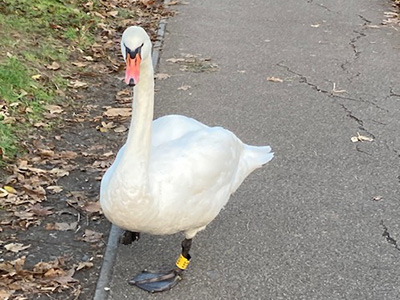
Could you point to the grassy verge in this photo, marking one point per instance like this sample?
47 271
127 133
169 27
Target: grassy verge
38 37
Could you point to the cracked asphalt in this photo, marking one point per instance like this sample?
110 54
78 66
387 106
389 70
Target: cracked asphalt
320 221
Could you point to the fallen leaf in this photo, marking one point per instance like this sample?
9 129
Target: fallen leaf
5 295
3 193
105 127
10 189
274 79
55 188
59 172
378 198
147 3
62 226
77 84
373 26
91 236
54 66
46 152
161 76
38 210
113 13
361 138
54 109
175 60
84 265
118 111
120 129
92 207
16 247
80 64
40 124
68 154
36 77
88 58
315 25
67 278
334 90
184 87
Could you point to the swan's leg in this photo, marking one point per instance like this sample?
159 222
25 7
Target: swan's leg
128 237
163 281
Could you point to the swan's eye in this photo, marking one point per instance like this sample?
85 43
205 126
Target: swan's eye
133 53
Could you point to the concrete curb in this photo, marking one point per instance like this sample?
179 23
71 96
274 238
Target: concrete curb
101 292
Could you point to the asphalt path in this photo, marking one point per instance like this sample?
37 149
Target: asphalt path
321 220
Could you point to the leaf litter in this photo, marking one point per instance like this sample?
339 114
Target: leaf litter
40 193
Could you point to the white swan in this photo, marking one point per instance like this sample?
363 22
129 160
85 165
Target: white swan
173 174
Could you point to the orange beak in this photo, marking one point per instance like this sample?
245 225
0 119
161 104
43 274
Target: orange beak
132 69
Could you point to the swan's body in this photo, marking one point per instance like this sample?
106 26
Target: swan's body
173 174
192 171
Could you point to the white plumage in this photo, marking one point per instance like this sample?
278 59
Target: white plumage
173 174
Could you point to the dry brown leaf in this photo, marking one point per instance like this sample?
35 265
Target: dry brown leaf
25 215
175 60
88 58
274 79
55 188
59 172
54 109
5 295
92 207
118 112
38 210
80 64
62 226
361 138
77 84
68 154
16 247
147 3
120 129
54 66
162 76
113 13
84 265
91 236
40 124
46 152
184 87
105 127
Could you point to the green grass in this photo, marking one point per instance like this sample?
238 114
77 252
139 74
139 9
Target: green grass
35 33
23 99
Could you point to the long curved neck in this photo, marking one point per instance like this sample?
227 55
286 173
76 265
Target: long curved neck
137 147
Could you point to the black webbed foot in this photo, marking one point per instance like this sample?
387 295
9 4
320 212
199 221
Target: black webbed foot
156 281
128 237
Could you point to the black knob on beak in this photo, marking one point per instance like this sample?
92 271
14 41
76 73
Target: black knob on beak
131 82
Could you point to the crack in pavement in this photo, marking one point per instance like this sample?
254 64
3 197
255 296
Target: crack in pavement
304 79
393 94
387 236
331 94
353 41
322 6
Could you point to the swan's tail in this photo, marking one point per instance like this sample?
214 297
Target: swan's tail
253 157
256 156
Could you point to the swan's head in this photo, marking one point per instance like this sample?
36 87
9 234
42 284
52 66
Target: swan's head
135 47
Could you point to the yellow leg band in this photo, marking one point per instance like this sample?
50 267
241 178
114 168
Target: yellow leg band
182 262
